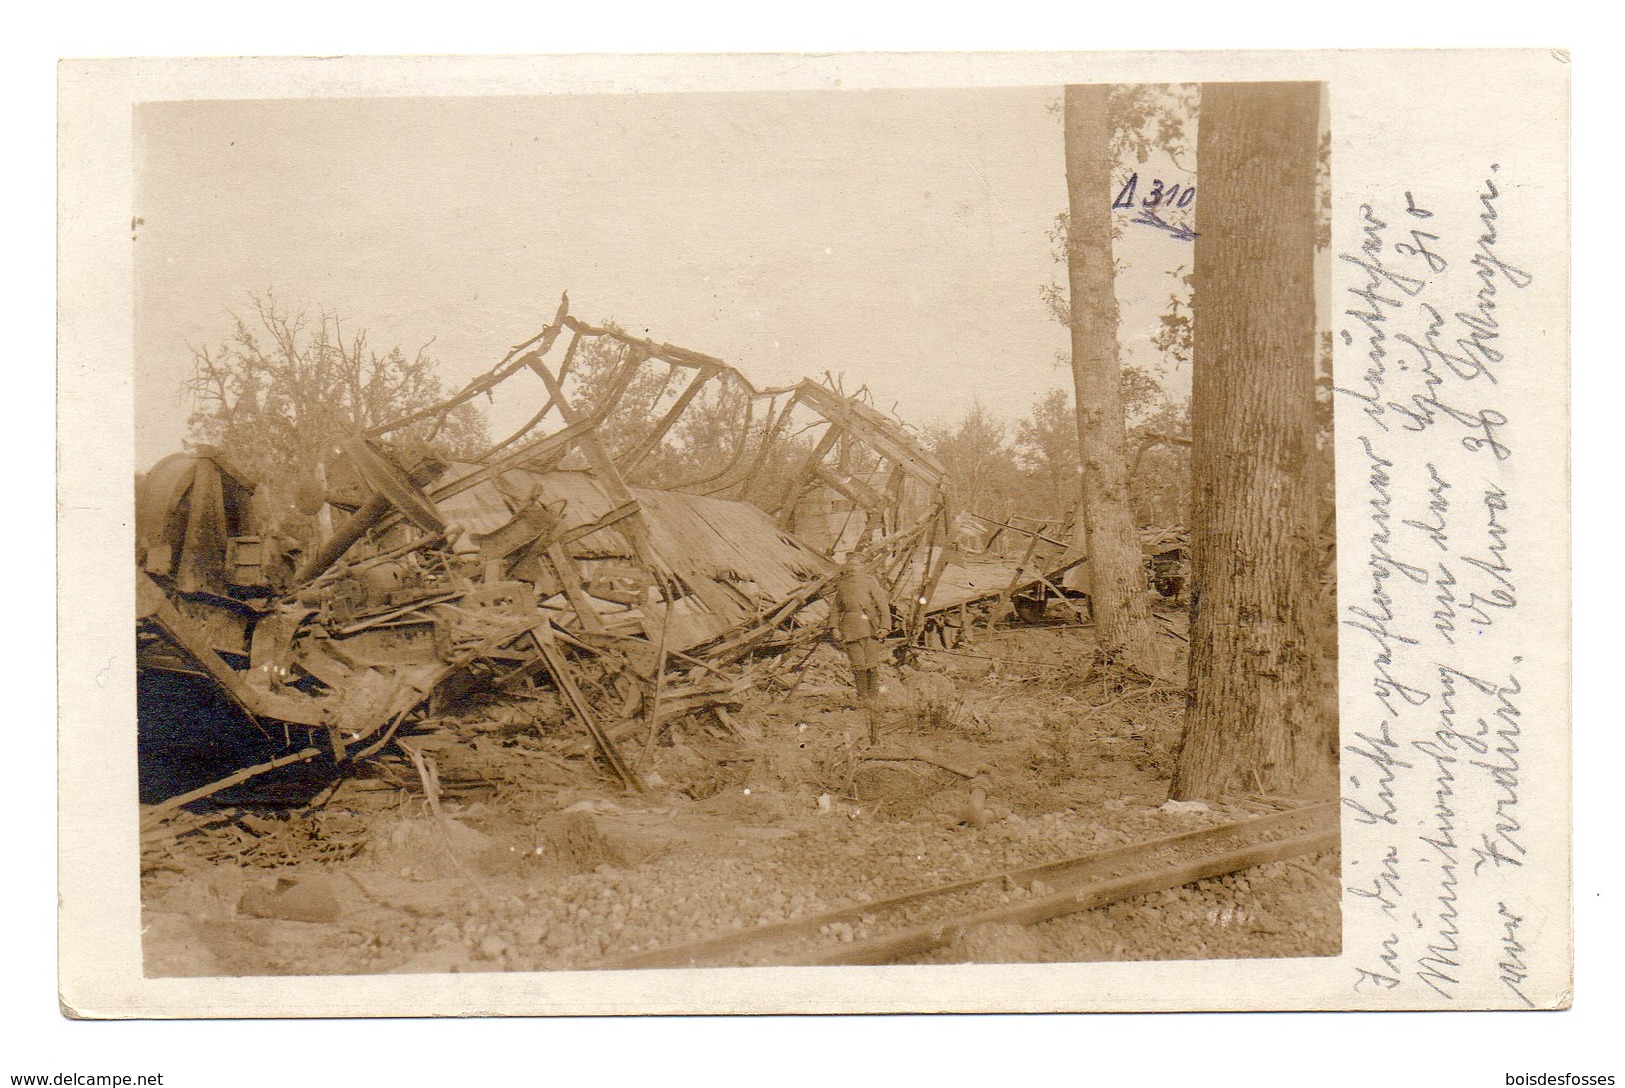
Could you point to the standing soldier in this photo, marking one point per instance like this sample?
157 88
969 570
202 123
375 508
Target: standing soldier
861 615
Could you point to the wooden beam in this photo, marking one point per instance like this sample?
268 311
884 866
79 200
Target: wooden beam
154 606
517 357
559 666
854 489
770 435
793 490
615 516
570 579
1016 581
884 437
610 477
670 353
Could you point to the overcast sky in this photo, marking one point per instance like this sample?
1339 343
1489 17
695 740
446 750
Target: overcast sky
896 236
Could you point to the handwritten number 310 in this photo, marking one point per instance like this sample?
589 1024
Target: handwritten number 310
1160 196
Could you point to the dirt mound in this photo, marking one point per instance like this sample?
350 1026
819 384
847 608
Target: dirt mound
573 842
435 847
783 811
311 899
899 789
753 807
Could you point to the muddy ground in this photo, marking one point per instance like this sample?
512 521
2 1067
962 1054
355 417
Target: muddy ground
1007 753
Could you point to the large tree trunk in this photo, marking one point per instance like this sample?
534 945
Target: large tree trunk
1117 568
1258 718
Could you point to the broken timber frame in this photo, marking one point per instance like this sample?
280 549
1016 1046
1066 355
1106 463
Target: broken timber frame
521 563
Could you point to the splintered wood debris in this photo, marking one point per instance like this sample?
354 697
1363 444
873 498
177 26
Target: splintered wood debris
655 527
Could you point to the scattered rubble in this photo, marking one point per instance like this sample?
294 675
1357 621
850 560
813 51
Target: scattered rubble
794 820
561 586
584 705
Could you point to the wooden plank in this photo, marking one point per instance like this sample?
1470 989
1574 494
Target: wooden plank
1016 581
635 529
559 666
799 484
570 580
517 357
860 493
876 432
609 477
554 445
770 435
669 353
619 513
1025 532
174 803
936 563
785 609
652 714
152 605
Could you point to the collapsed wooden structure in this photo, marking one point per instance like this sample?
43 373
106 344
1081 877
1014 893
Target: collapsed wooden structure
655 525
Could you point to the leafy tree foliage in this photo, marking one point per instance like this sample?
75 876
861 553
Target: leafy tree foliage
1173 335
1160 465
979 460
1029 468
287 386
1046 444
1153 116
1144 119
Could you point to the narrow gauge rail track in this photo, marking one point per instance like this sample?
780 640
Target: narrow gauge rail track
893 929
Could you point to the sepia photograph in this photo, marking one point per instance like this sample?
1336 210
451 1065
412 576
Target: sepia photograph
618 532
802 534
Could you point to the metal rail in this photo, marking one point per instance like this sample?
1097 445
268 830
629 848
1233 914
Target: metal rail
1075 884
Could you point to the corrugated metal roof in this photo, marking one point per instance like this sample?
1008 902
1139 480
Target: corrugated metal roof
735 560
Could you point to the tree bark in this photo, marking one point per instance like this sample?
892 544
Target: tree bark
1117 568
1260 717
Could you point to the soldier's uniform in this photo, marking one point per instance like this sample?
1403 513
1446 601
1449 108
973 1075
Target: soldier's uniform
861 614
